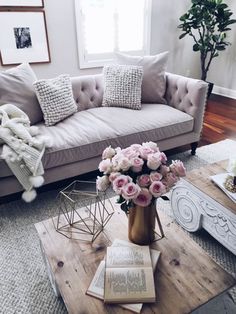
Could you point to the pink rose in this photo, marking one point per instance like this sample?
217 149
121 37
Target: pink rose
163 158
144 180
145 151
143 199
117 157
108 152
169 180
130 153
151 145
118 150
155 176
164 170
177 167
124 163
154 161
136 147
102 183
115 161
113 176
137 164
105 166
157 188
120 182
130 191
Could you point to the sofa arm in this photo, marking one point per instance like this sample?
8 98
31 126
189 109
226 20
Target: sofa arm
188 95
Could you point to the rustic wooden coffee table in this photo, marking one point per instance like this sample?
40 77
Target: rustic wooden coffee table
185 279
198 203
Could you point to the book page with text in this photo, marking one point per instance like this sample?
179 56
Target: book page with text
128 256
154 253
96 287
129 285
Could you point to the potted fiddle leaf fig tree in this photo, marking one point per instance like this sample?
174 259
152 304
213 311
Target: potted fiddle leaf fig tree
207 22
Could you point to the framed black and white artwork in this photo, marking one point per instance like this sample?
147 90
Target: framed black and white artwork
23 37
22 3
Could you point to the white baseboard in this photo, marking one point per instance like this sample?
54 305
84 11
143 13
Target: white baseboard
231 93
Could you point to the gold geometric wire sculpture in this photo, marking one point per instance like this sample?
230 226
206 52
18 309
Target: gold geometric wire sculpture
83 211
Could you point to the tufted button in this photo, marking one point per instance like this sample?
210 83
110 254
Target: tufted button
77 100
82 88
92 98
96 87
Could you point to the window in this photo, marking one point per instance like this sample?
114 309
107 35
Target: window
107 26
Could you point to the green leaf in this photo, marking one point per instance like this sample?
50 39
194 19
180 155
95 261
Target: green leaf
124 207
165 198
182 35
184 17
220 47
215 38
230 22
120 200
222 6
196 47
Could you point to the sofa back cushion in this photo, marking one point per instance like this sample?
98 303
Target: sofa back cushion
154 80
16 87
87 91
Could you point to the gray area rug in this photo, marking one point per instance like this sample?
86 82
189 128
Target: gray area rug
24 285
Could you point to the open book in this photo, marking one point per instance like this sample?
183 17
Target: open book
96 287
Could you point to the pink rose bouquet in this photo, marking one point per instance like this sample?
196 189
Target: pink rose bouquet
138 174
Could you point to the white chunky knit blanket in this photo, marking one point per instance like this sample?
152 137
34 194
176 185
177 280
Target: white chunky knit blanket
23 149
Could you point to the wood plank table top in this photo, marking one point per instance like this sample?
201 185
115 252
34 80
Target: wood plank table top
200 178
185 279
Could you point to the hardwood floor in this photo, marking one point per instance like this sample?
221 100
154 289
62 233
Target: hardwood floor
219 122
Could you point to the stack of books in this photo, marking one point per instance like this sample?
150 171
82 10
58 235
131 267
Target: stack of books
125 276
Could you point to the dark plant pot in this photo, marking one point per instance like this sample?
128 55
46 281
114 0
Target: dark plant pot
210 88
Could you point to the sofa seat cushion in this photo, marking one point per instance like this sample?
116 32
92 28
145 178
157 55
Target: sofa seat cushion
85 134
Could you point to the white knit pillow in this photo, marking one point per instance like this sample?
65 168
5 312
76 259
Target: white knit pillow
122 86
55 98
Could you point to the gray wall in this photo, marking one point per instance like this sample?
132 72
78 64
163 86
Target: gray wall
182 59
164 36
60 19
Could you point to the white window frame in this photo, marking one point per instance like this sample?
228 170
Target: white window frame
94 61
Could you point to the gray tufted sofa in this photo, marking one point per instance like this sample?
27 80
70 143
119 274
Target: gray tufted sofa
79 140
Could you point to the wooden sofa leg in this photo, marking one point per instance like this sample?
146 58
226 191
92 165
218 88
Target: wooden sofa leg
193 148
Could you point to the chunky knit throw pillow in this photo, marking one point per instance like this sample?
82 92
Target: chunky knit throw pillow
122 86
55 98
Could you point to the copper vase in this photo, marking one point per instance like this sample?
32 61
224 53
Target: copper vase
141 224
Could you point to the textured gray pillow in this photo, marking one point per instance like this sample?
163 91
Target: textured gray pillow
56 98
16 87
154 80
122 86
